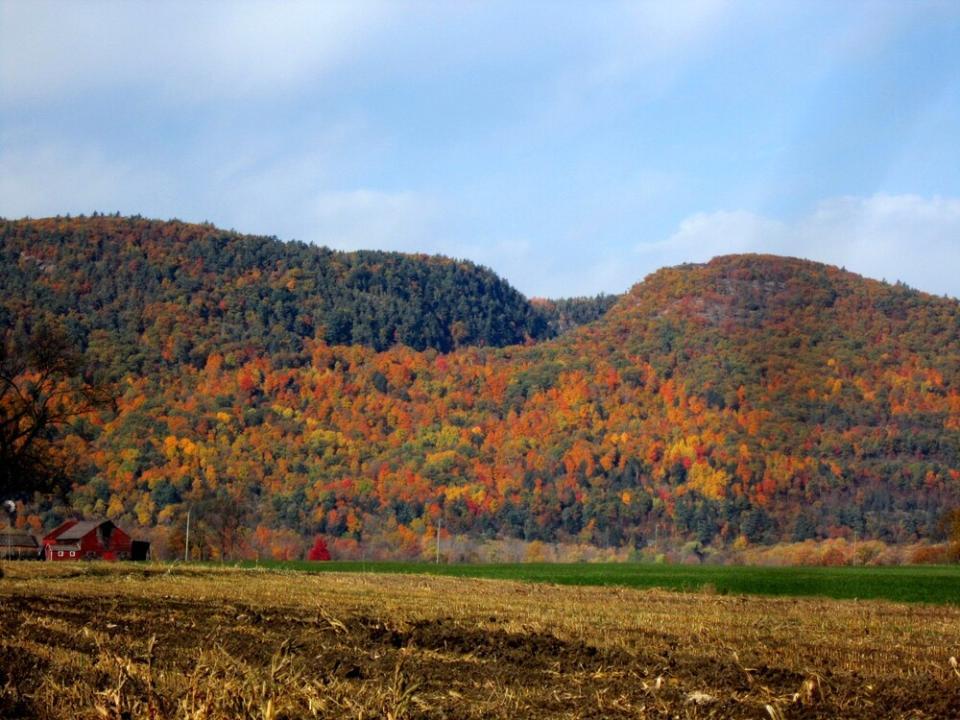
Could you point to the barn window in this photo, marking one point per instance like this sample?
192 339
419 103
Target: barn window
59 553
73 554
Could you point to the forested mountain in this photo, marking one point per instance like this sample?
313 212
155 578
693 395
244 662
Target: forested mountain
140 294
751 399
567 313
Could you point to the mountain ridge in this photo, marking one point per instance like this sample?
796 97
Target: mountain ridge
749 399
122 275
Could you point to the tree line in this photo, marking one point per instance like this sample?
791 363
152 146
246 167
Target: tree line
747 401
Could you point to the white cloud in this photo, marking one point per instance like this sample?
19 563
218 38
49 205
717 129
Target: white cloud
47 178
374 220
659 30
181 50
542 272
653 43
893 237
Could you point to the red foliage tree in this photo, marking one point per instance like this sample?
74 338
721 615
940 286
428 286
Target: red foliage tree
319 551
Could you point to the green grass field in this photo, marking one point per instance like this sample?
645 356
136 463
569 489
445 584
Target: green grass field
937 584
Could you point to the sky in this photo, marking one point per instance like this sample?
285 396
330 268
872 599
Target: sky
572 147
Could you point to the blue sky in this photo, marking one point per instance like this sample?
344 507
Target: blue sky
572 147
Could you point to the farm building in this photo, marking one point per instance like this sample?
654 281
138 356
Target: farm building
92 540
18 545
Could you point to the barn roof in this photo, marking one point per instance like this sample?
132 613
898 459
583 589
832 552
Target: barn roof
58 530
80 529
58 546
17 538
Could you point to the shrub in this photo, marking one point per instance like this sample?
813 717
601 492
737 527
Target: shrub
319 551
929 555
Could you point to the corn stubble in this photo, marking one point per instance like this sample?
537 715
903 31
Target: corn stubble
97 641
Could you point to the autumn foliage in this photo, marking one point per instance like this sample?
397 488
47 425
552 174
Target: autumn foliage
753 399
319 551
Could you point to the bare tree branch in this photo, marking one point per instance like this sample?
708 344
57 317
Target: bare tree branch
42 392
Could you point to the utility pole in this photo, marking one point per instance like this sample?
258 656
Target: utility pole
439 525
186 547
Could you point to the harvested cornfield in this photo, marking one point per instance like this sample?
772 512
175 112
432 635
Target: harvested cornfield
115 641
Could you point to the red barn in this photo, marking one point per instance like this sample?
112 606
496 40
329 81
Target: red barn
88 540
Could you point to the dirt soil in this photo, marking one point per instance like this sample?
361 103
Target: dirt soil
106 642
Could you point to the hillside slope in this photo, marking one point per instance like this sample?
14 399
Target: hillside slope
170 293
752 399
835 398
